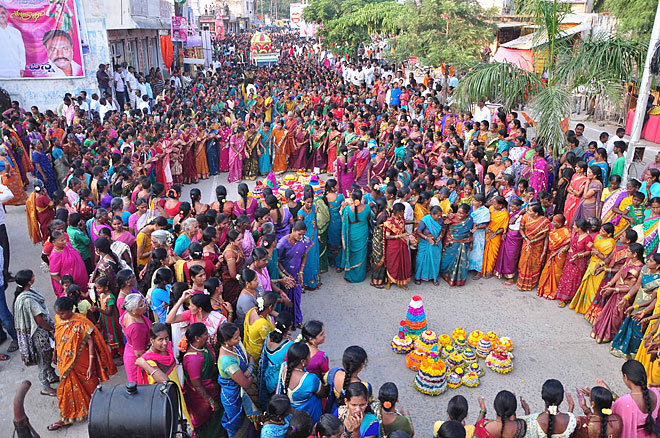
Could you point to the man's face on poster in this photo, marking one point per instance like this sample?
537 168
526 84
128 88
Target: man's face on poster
60 52
4 17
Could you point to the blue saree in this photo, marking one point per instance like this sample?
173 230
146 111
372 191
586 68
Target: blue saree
428 255
627 340
213 154
270 362
234 399
312 266
354 237
454 265
476 256
265 159
334 231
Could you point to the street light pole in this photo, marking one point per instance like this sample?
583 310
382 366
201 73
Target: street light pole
643 94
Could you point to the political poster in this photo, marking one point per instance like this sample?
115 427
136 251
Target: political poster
40 39
179 29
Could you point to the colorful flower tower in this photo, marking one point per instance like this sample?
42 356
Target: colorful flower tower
416 317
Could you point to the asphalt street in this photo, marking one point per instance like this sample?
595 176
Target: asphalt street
548 342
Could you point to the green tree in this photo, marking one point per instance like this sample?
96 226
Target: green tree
602 64
452 31
635 17
348 24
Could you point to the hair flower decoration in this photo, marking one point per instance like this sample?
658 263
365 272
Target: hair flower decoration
606 411
238 277
260 303
552 410
299 338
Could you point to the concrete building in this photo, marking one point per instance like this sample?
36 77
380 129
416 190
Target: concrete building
48 93
134 29
237 14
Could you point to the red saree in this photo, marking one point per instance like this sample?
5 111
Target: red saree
397 253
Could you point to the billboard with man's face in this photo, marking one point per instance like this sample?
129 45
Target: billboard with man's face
39 39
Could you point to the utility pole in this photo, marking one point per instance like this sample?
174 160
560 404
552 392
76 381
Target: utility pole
643 94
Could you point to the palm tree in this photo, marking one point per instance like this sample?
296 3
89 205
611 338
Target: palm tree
601 64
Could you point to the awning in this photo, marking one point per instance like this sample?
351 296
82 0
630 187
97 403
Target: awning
520 57
533 40
150 23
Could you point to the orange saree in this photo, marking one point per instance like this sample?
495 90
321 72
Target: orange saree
558 244
75 391
499 220
531 262
280 151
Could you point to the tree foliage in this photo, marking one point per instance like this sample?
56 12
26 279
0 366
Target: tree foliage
635 17
347 24
451 31
601 64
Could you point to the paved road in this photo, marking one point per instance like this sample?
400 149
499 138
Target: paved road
549 342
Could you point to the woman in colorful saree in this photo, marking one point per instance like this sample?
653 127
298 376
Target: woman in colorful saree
458 240
292 256
237 144
651 222
617 292
600 255
280 148
307 214
539 167
258 324
378 269
558 246
355 232
590 204
506 265
629 337
575 190
617 261
200 389
356 413
273 355
534 229
379 166
576 262
481 217
83 361
499 222
506 425
397 252
429 247
158 365
65 260
334 200
304 389
251 167
614 206
237 370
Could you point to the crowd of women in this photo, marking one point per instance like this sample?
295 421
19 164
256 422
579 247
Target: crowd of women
209 294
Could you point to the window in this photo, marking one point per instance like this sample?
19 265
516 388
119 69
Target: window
132 55
155 53
144 55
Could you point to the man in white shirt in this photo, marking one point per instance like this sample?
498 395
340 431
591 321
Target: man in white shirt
13 48
143 103
95 105
481 112
120 86
132 85
620 133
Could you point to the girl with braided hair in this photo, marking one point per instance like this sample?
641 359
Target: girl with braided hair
551 423
272 357
506 425
599 421
236 373
304 389
639 408
353 361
